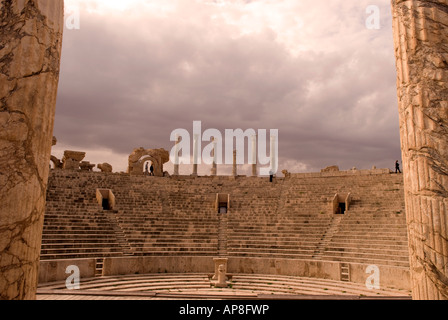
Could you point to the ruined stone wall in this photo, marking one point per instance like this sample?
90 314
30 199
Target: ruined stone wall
30 49
421 48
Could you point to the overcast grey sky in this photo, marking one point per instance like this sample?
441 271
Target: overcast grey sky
136 70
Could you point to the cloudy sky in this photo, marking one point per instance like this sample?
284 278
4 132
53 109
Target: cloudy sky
133 71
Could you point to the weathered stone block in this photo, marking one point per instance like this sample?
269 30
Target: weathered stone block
105 167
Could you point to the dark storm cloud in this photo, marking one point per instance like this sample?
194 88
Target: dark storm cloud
127 83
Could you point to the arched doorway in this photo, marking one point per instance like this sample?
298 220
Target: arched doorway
139 158
148 165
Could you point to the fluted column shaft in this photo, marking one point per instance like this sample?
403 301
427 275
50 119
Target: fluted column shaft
30 49
421 48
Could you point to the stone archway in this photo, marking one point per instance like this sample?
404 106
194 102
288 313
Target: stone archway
57 164
139 156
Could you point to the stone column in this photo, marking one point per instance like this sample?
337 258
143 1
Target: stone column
254 156
195 154
176 156
421 37
214 170
273 146
234 169
30 49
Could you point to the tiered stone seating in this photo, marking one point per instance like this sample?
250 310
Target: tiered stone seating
275 284
293 219
172 217
374 229
153 216
292 227
75 226
289 218
242 285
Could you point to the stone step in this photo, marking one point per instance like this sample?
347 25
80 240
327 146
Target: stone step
79 226
238 237
164 235
75 241
367 255
373 242
56 256
78 236
366 250
175 251
102 249
256 254
274 234
369 237
368 260
139 245
78 246
274 243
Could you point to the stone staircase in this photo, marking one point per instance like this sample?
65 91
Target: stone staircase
222 234
122 240
328 236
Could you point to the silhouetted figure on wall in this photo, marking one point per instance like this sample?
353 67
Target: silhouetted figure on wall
397 167
151 169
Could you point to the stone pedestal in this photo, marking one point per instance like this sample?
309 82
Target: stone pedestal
421 37
30 42
220 275
222 279
218 262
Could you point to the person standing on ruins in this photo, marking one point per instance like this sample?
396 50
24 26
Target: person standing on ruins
151 169
397 167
